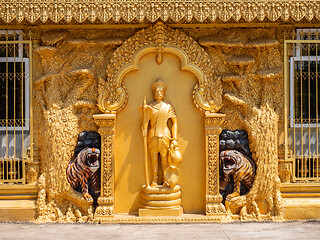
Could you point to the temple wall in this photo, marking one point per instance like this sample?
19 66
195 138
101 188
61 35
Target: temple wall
237 73
68 64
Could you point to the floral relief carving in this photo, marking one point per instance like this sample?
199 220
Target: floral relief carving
153 11
107 169
212 164
106 123
213 197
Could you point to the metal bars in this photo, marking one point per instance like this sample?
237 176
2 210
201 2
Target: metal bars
302 105
15 106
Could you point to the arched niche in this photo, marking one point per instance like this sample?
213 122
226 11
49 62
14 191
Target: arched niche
129 158
160 39
158 43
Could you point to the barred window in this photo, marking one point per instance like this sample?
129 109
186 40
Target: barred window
305 90
14 105
14 78
304 76
304 105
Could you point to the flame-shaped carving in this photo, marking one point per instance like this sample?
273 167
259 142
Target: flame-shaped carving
160 39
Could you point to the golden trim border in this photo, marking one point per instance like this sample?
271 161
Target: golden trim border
161 220
152 11
185 218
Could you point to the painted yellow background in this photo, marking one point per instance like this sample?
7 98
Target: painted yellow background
129 158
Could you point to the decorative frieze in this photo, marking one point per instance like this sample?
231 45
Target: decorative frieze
152 11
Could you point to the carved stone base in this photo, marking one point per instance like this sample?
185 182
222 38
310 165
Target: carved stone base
214 205
285 171
160 201
105 208
174 212
104 211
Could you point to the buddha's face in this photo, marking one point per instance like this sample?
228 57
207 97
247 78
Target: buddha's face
158 93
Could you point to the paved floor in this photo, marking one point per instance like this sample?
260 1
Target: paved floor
266 230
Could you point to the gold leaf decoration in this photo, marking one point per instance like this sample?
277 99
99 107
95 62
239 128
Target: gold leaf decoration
177 11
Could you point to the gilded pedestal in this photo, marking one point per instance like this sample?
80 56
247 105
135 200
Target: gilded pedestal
106 123
160 201
213 197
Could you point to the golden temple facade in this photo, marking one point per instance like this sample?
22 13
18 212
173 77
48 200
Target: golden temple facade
159 111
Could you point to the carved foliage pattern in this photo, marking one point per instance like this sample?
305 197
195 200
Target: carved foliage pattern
107 168
106 200
183 10
112 95
213 197
212 164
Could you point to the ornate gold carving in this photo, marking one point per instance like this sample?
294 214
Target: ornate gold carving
213 197
106 124
161 197
33 167
285 171
32 173
215 208
215 121
107 172
160 139
184 10
213 167
62 99
213 130
112 98
160 39
160 201
166 219
263 125
254 104
104 211
106 201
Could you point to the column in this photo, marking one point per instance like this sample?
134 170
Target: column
212 130
106 123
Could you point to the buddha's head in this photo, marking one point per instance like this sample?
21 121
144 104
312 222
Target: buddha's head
159 89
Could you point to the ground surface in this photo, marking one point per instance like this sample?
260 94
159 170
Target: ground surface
266 230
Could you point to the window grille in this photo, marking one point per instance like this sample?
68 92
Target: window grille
302 64
15 102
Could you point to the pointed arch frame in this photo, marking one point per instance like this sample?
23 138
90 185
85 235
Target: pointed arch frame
160 39
113 97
